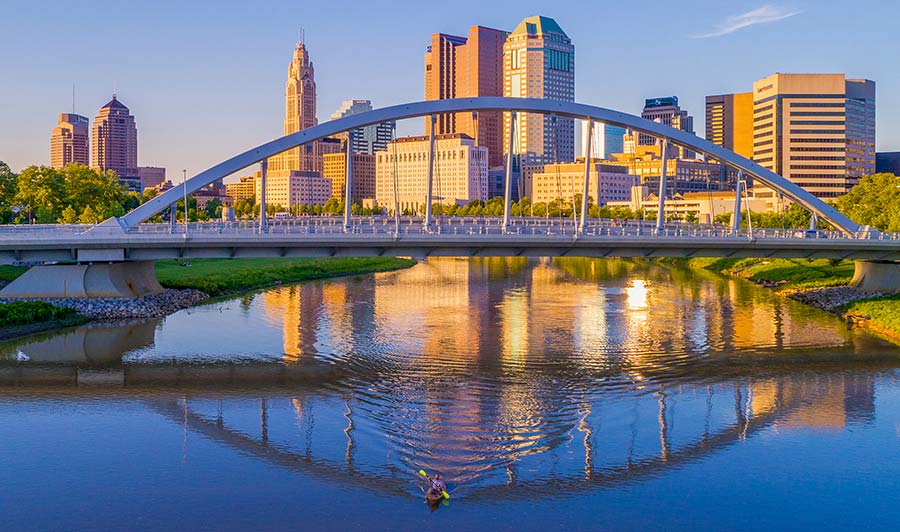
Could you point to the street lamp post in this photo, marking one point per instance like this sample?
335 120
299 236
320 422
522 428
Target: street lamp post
184 186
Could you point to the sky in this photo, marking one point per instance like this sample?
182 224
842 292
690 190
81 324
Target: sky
205 80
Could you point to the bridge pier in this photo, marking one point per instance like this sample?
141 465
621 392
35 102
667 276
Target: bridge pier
876 276
115 279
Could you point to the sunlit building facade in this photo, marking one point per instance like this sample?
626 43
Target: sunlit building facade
115 143
243 189
563 181
668 112
335 169
69 141
368 139
295 188
729 122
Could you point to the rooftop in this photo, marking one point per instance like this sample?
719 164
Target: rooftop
539 25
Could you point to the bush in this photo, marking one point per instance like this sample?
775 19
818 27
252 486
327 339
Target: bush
25 312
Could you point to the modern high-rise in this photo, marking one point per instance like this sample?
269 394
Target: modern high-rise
368 139
466 67
151 176
539 62
460 172
300 113
667 111
69 141
729 122
817 130
114 143
605 140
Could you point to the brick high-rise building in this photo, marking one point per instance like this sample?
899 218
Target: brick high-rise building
69 141
335 169
114 143
539 62
467 67
729 122
817 130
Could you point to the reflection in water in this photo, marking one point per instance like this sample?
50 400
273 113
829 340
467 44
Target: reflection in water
90 344
512 377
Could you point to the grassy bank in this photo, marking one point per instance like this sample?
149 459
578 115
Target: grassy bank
785 276
27 317
218 277
879 314
10 273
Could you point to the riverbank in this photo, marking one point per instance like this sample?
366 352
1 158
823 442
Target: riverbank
187 283
820 283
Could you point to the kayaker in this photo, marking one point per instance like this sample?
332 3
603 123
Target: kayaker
437 484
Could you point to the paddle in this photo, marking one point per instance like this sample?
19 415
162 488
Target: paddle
443 492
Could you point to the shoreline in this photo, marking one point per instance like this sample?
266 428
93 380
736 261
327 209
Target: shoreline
181 291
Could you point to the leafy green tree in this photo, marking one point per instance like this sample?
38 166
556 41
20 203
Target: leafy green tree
88 216
213 208
42 190
8 187
874 201
69 216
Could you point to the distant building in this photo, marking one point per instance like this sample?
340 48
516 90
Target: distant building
729 122
460 172
370 138
243 189
563 181
888 162
704 207
69 141
605 140
151 176
286 190
817 130
335 169
210 193
114 143
539 62
682 175
464 67
667 111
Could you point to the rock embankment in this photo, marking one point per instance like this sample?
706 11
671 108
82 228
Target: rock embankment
155 306
830 299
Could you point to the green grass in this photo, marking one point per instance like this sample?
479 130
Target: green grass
10 273
792 275
883 313
219 277
27 312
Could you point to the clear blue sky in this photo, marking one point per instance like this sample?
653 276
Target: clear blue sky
205 80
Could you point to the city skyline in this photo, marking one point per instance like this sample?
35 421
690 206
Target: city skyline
248 107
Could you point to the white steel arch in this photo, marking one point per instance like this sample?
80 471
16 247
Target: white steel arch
531 105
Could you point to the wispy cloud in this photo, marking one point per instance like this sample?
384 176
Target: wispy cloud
762 15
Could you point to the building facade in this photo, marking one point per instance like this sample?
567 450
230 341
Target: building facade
605 140
244 188
151 176
285 191
460 172
467 67
682 175
114 143
729 122
539 62
69 141
564 181
703 207
817 130
335 169
667 111
368 139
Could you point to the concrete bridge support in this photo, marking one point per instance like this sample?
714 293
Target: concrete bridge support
117 279
877 276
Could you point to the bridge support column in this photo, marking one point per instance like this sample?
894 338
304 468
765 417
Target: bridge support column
661 211
587 177
876 276
263 170
173 215
507 187
736 217
428 198
348 183
117 279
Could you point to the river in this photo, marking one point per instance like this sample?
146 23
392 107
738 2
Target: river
569 393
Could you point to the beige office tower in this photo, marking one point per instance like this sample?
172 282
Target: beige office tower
69 141
539 62
460 172
114 143
335 169
300 113
468 67
817 130
729 122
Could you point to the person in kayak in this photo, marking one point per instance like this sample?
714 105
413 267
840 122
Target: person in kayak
437 487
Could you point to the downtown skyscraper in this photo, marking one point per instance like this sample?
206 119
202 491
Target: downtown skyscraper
539 62
69 141
367 139
114 143
468 67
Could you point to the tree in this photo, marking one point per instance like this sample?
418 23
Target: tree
42 190
88 216
69 216
874 201
8 188
214 208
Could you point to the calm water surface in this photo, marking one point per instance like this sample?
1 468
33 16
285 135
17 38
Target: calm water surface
576 394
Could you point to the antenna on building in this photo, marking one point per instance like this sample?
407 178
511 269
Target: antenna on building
73 98
302 34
